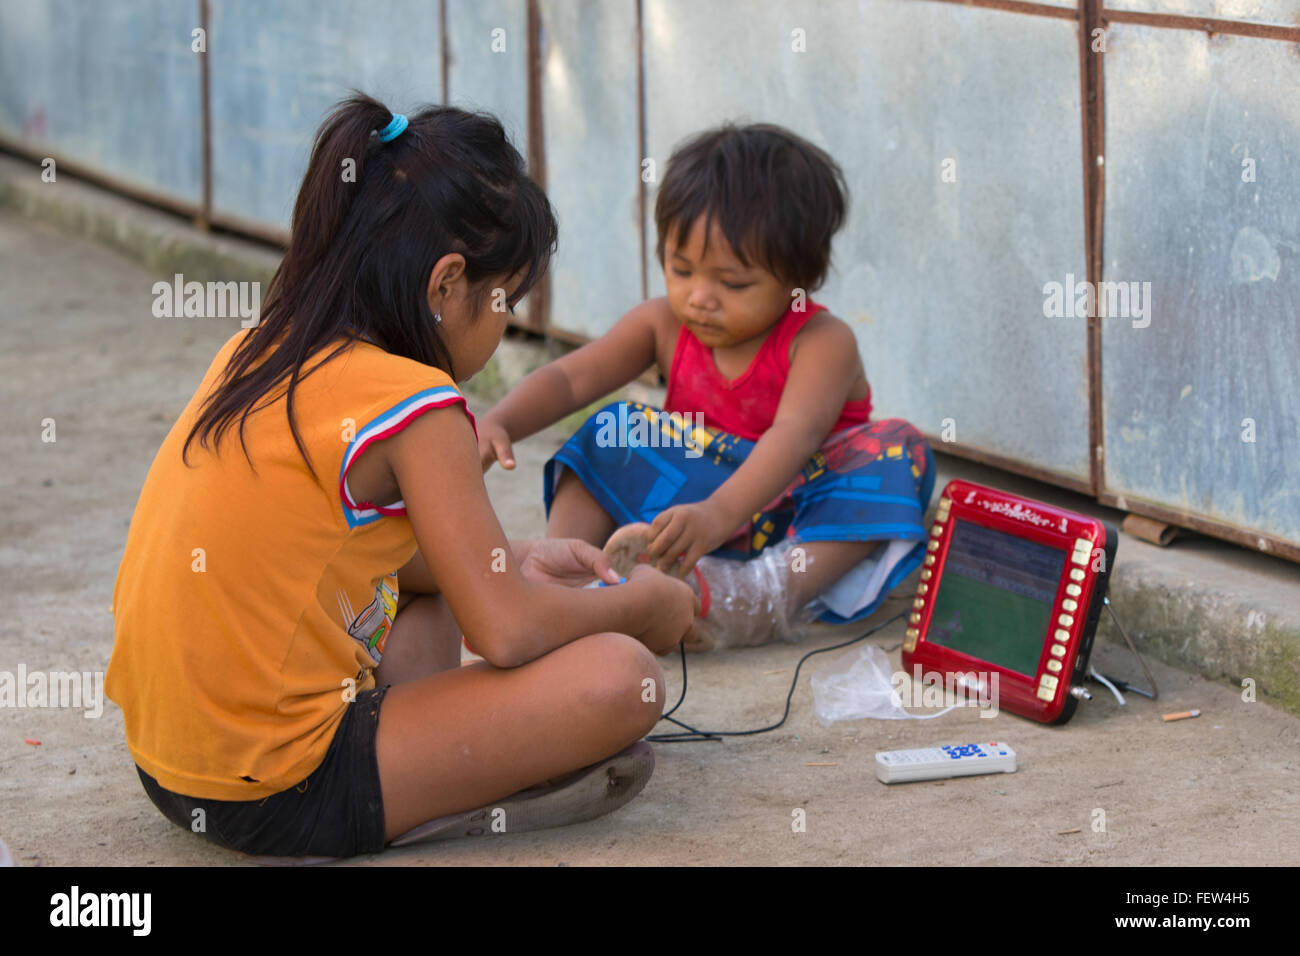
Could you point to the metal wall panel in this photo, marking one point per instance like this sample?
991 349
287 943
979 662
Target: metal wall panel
1280 12
589 100
113 86
487 69
942 281
484 78
1184 114
277 70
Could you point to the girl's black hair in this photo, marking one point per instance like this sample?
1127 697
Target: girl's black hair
778 198
370 222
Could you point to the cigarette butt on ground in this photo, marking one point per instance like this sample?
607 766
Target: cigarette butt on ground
1183 715
1068 832
821 763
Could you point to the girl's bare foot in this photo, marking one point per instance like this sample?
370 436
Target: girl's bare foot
571 798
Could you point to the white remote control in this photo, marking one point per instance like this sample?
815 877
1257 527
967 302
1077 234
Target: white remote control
950 760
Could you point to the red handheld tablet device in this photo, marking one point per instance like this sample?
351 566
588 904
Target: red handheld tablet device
1011 587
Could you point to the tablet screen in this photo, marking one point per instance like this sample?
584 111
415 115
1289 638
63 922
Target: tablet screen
995 597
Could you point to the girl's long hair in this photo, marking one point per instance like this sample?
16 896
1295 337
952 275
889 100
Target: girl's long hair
370 221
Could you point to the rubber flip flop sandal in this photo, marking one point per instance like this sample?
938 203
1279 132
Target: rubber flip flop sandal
290 860
583 795
599 789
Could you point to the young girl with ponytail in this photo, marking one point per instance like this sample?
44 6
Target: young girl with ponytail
314 538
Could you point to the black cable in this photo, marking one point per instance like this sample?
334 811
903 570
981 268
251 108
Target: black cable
668 715
1151 694
691 735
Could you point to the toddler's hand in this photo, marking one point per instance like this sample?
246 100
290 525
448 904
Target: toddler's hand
688 532
494 445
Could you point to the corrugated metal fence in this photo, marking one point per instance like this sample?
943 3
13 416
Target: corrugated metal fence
1011 162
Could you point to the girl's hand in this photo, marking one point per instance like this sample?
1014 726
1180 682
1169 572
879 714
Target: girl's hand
564 561
494 445
688 532
673 603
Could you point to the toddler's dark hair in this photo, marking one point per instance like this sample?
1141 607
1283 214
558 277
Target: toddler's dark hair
778 198
370 222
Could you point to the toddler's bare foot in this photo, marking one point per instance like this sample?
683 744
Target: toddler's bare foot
744 603
627 547
752 601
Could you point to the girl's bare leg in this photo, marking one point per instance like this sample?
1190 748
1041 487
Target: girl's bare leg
424 640
455 738
576 514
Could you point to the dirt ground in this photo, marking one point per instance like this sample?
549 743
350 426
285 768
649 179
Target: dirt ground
80 346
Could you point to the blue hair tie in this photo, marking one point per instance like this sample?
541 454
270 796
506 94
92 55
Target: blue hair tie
393 129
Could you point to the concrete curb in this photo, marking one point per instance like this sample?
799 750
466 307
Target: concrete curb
158 240
1202 605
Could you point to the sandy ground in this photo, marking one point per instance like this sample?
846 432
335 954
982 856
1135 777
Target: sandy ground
81 346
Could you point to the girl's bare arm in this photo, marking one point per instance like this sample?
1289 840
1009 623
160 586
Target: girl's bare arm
507 619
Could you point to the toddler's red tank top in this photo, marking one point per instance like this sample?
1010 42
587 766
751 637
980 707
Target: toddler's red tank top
745 406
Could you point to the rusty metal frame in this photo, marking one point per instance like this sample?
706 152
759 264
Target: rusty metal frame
642 142
272 235
1089 15
1085 14
1210 25
539 299
1254 540
204 218
1092 98
1027 9
1266 543
110 181
444 53
1006 463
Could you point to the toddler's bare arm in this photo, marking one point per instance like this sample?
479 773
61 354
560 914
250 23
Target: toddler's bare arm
569 383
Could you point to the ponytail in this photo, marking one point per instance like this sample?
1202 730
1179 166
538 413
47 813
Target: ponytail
370 221
338 162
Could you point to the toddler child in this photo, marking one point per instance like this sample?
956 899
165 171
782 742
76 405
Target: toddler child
762 479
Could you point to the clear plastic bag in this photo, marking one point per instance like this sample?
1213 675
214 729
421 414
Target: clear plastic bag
858 685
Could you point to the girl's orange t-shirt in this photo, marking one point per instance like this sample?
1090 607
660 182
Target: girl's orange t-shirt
253 601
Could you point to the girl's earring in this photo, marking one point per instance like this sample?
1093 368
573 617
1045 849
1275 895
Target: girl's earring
437 318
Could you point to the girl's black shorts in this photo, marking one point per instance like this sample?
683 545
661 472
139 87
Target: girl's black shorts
337 811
